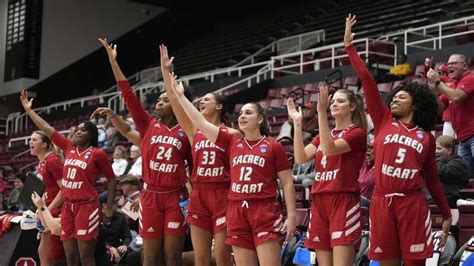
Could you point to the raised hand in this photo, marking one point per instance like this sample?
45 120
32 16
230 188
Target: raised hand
27 104
166 61
102 111
348 35
295 114
37 200
110 48
432 75
324 99
178 87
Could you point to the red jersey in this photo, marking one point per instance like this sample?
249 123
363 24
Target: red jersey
165 151
404 154
254 166
211 162
50 170
81 170
461 113
339 173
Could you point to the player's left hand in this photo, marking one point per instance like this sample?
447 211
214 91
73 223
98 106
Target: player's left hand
37 200
446 227
290 226
178 87
324 99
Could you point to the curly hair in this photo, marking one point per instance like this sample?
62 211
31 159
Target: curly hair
426 105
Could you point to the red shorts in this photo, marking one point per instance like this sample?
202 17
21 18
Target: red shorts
160 214
400 226
207 207
335 220
251 223
80 220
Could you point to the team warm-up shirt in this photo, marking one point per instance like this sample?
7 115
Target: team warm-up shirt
211 162
81 170
50 170
404 154
461 112
164 150
339 173
253 166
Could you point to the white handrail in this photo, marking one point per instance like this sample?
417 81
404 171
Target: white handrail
26 139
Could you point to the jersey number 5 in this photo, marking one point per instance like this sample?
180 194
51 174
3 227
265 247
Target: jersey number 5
400 155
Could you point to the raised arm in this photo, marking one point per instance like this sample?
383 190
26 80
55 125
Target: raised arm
138 113
178 111
37 120
210 131
123 127
329 146
377 109
302 154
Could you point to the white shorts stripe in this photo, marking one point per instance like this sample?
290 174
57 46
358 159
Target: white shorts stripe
94 226
353 209
94 220
428 219
352 229
93 214
353 219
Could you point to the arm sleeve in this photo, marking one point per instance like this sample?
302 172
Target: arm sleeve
55 169
224 139
433 183
103 164
281 160
140 117
60 141
467 84
357 139
377 109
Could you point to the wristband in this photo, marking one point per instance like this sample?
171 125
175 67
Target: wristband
42 208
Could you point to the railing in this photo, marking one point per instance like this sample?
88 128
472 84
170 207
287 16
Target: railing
3 126
432 36
294 63
300 42
26 139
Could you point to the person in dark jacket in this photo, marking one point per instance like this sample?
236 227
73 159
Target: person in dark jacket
117 234
454 176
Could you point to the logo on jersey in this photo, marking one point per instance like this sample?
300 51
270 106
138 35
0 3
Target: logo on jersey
87 155
419 134
395 124
240 145
73 151
378 250
263 148
157 125
340 134
181 133
417 247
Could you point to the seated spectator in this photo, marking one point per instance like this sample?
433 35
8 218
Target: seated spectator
116 233
402 69
131 192
454 176
304 173
367 176
112 135
102 137
461 97
13 203
135 163
120 160
310 125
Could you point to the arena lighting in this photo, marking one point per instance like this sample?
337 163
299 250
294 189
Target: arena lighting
16 23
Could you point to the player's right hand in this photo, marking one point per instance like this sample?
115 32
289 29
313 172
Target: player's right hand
348 35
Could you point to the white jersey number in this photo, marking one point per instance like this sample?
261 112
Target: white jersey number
245 173
163 153
208 157
401 155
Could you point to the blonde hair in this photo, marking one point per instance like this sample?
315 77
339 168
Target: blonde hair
447 142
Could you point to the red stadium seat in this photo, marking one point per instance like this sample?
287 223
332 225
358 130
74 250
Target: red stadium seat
385 87
466 223
273 93
276 103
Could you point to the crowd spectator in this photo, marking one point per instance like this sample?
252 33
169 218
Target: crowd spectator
310 125
130 187
402 69
367 176
13 203
304 173
102 138
460 94
120 160
116 233
135 164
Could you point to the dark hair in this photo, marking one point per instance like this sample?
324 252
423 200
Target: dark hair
21 177
92 128
220 99
358 116
264 127
423 99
